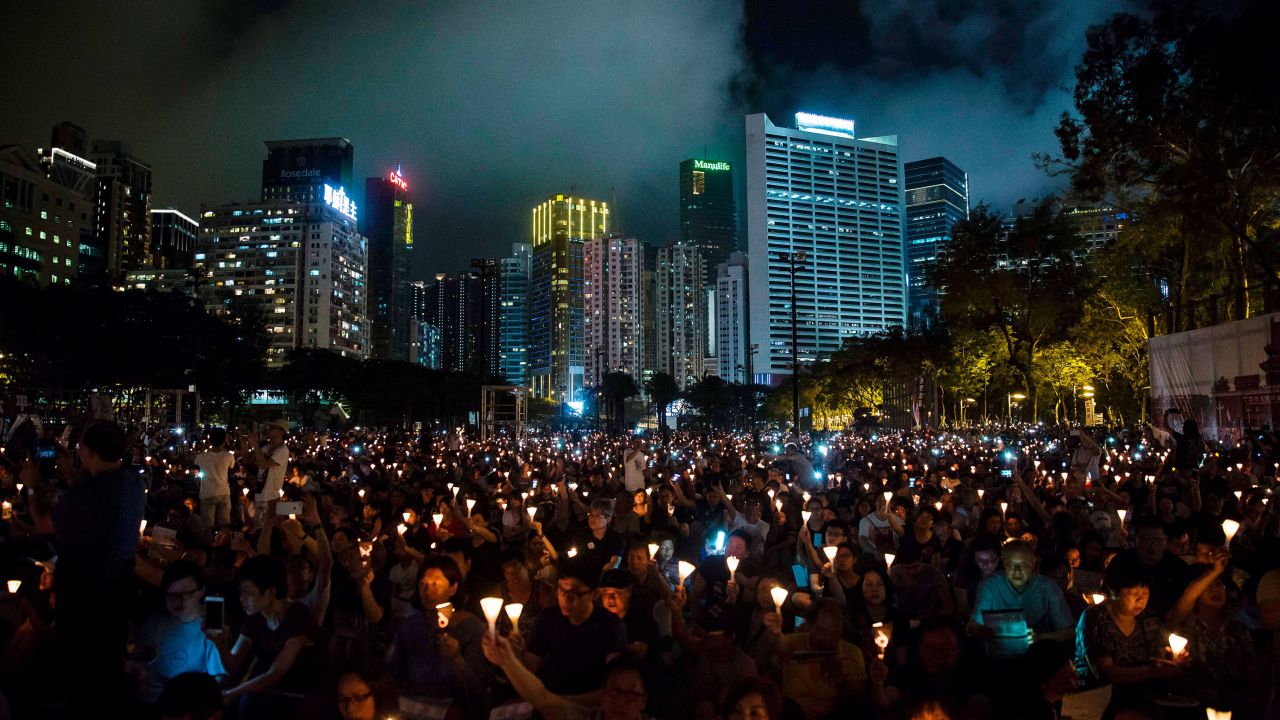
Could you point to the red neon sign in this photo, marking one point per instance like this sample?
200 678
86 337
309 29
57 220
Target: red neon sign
398 180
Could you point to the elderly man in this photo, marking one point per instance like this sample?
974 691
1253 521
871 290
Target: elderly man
1021 588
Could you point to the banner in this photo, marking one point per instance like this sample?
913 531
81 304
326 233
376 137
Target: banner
1226 377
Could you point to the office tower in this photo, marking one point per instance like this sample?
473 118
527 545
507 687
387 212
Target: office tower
708 217
40 222
513 353
123 213
733 343
612 308
303 267
386 221
680 309
937 194
1097 225
66 163
299 170
819 190
560 224
173 239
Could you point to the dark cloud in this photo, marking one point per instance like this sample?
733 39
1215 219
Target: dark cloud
490 105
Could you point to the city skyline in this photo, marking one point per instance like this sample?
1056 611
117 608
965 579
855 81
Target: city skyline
504 143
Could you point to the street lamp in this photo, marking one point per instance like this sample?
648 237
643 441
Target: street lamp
1011 397
793 259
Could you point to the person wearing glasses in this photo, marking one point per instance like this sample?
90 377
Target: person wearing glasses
624 695
599 544
572 642
176 636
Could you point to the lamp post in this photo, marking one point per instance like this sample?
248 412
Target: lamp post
793 259
1011 397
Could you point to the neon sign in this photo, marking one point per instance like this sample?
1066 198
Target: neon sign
704 165
337 199
839 127
398 180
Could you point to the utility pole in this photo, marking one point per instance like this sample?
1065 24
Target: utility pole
792 260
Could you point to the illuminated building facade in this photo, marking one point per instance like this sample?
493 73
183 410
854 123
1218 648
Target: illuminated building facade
560 224
937 194
680 309
122 216
386 221
513 322
733 341
839 199
612 308
40 222
708 216
297 170
304 267
66 163
173 239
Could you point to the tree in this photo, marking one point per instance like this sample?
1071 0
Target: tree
711 398
1063 374
662 391
1175 114
1024 282
617 387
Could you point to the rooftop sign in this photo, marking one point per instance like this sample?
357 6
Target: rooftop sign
337 199
708 165
824 125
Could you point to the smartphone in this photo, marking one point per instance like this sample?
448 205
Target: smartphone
1006 473
801 574
45 451
817 540
214 617
286 509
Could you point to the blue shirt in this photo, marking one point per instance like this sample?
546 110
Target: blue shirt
1041 602
180 647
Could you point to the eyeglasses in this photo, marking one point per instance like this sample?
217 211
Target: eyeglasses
354 699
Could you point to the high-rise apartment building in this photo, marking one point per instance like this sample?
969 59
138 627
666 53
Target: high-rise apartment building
819 190
485 320
937 194
560 224
40 221
733 341
66 163
612 308
304 267
513 353
708 217
386 221
680 309
464 309
298 170
122 217
173 239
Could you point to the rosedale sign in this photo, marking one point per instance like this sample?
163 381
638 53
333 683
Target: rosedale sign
704 165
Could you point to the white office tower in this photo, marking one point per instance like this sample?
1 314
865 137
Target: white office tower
303 267
732 319
820 191
679 306
612 318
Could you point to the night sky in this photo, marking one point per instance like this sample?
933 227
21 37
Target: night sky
490 106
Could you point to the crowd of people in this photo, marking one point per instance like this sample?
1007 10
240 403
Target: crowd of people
983 572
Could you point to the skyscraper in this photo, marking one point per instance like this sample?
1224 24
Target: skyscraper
66 163
680 309
560 224
513 354
733 343
299 170
485 315
612 314
40 222
937 194
173 239
819 190
302 266
387 223
708 217
122 218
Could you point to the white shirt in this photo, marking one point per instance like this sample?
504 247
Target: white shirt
633 462
759 532
273 476
214 467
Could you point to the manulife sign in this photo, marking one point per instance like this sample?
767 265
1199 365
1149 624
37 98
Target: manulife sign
707 165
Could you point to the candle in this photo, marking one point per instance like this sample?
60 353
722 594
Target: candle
684 570
882 638
142 527
492 608
13 586
443 611
406 515
513 613
1230 527
1004 507
1177 644
888 560
805 515
573 552
471 503
437 518
245 491
779 594
732 562
981 492
1098 598
888 496
1212 714
401 528
653 550
1123 514
830 551
532 510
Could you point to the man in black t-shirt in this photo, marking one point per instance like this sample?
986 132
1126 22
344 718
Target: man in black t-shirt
575 640
598 545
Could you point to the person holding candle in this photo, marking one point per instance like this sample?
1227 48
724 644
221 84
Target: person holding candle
573 642
1020 587
436 652
821 672
880 531
599 544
